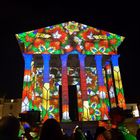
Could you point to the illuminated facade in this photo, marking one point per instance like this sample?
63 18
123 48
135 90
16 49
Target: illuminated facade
71 54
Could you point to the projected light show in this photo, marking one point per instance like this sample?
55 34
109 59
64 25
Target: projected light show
71 68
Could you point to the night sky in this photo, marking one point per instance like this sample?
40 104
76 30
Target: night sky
116 17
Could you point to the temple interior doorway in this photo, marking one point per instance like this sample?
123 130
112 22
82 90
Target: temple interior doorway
73 105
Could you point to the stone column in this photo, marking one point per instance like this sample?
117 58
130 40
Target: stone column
27 91
65 100
102 88
83 86
110 84
118 82
46 85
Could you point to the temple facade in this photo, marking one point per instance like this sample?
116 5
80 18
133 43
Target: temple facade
71 69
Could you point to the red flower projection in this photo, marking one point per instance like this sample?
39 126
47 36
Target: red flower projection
68 48
95 99
121 100
29 39
55 45
110 81
102 88
113 41
103 43
104 110
38 42
88 46
58 34
91 111
88 34
40 30
86 39
37 101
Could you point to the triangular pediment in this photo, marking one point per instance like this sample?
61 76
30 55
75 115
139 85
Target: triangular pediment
69 37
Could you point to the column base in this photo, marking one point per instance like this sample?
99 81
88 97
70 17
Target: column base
65 117
66 120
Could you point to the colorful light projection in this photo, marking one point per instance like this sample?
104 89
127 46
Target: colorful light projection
69 36
27 86
46 85
83 86
118 81
102 88
93 94
37 78
65 100
96 99
110 85
95 87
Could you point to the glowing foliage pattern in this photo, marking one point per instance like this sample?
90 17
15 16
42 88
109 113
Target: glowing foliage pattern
66 37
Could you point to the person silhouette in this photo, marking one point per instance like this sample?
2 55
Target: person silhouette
138 134
9 128
78 134
51 130
88 135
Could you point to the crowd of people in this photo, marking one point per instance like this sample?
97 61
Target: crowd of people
11 128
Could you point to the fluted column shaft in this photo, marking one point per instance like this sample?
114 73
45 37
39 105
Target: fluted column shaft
83 86
46 85
118 81
65 97
27 91
102 88
110 85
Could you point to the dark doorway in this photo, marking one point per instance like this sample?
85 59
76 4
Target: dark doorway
73 108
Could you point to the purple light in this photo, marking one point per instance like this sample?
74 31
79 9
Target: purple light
46 59
98 59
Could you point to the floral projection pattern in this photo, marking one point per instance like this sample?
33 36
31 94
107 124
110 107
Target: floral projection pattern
97 107
69 36
110 85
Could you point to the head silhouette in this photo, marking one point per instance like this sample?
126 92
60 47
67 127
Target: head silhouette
9 127
113 134
117 115
51 130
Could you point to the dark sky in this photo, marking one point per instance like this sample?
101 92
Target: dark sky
114 16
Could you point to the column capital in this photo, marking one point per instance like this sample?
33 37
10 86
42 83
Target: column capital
98 57
81 56
46 57
114 59
98 60
28 60
83 76
63 56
